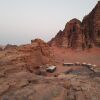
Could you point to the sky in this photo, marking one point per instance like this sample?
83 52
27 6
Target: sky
24 20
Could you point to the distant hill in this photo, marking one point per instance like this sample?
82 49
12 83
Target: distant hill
2 46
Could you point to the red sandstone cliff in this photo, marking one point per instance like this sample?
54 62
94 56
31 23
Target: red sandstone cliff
76 34
71 36
91 25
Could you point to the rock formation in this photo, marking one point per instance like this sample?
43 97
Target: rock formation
91 26
9 46
79 34
22 68
26 57
40 44
71 36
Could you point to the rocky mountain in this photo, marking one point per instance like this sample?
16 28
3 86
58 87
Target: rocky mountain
77 34
23 69
71 36
91 26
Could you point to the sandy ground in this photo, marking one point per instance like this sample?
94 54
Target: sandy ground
63 55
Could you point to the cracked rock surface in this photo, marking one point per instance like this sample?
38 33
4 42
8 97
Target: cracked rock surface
27 86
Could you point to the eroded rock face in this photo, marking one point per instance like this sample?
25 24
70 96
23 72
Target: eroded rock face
73 33
91 25
57 40
25 57
71 36
43 46
80 35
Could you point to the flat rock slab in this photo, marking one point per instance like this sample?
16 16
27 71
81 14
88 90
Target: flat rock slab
27 86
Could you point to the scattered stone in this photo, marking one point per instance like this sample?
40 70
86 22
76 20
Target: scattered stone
51 69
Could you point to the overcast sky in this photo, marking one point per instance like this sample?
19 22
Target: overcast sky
23 20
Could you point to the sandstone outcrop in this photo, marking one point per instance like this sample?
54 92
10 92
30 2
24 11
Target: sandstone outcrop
71 36
26 57
91 26
79 34
23 74
43 46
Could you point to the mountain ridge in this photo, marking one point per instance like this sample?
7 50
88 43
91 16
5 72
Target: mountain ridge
77 34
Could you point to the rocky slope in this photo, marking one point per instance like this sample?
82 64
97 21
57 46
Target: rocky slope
18 80
27 86
22 79
91 26
25 57
79 34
